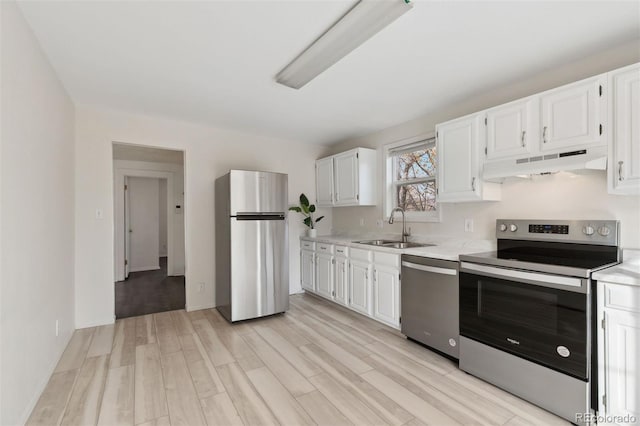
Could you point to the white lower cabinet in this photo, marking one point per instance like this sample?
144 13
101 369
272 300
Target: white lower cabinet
341 281
307 269
360 286
386 295
619 352
324 275
365 281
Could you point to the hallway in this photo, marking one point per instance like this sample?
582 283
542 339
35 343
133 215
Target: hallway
148 292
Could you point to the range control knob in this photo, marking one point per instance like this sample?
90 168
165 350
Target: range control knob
503 227
588 230
604 231
513 228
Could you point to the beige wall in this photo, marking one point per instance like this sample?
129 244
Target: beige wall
561 196
37 215
209 153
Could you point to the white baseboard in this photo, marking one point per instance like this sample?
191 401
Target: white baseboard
96 323
199 307
144 268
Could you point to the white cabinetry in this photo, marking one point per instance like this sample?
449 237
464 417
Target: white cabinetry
386 288
324 270
360 280
458 143
324 182
307 269
512 129
341 281
624 151
347 179
572 116
619 350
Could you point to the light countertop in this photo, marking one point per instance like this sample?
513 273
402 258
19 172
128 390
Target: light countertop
444 248
628 272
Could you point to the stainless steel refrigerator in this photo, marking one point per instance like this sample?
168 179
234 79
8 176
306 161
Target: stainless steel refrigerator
252 244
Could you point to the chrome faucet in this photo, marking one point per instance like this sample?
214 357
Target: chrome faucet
405 234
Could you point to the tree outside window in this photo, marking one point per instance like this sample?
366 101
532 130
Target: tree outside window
413 176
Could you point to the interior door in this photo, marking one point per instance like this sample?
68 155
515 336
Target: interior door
127 229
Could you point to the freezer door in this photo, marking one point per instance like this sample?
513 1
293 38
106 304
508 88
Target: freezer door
259 267
258 192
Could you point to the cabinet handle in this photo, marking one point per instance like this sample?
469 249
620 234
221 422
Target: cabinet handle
544 134
331 196
620 177
473 183
524 138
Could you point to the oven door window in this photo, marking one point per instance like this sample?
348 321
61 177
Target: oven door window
544 325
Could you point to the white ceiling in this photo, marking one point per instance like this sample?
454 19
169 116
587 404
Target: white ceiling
214 62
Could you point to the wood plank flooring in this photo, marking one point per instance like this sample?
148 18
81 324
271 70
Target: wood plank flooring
317 364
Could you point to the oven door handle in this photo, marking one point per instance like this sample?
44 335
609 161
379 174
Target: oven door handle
533 277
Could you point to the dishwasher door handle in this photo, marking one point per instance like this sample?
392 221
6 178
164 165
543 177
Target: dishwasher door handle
434 269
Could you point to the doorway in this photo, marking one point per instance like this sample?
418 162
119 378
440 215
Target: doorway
149 230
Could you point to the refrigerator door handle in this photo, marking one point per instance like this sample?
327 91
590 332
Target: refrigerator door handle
260 216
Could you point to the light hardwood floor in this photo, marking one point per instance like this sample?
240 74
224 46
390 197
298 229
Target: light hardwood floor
317 364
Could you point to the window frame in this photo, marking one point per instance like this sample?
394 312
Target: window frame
390 184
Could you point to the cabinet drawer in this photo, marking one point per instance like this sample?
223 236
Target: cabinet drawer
307 245
389 259
624 297
324 248
342 251
359 254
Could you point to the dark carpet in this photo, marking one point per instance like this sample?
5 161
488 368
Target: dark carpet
147 292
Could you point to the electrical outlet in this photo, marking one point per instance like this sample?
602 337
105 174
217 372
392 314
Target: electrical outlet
99 214
200 287
468 225
380 223
361 222
57 328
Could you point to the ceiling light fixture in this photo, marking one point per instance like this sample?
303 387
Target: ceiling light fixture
358 25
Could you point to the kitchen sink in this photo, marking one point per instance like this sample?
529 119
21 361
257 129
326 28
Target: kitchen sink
377 242
393 244
400 245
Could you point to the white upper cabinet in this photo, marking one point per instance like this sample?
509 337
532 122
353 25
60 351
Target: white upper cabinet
347 179
324 182
572 116
458 143
624 151
512 129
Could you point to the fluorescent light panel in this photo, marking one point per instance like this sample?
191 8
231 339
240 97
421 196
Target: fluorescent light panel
358 25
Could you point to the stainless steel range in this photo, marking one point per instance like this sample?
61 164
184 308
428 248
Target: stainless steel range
526 321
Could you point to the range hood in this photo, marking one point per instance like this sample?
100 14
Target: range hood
571 160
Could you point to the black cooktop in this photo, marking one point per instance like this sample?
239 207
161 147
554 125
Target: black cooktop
550 257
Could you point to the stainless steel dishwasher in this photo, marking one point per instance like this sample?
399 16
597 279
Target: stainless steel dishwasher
429 300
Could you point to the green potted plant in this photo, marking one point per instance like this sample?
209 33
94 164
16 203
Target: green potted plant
307 210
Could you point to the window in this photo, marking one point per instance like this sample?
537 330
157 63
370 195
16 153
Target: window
411 179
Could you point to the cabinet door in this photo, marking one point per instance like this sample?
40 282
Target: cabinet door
511 129
324 275
572 115
324 182
346 168
386 295
307 273
342 280
458 143
622 363
360 287
624 168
